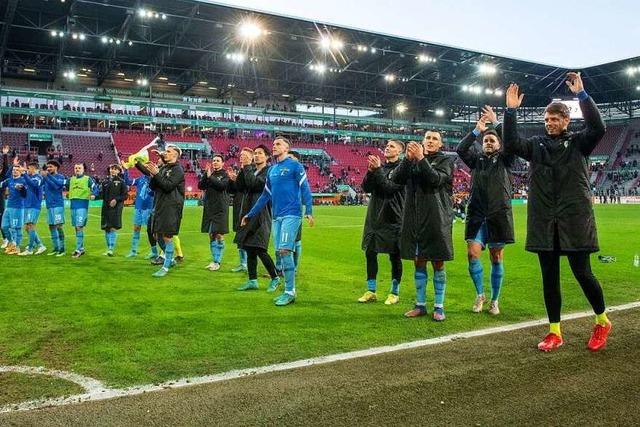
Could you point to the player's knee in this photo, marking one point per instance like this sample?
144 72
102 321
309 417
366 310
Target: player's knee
438 265
496 255
283 252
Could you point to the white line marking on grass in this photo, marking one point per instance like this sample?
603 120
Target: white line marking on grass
96 391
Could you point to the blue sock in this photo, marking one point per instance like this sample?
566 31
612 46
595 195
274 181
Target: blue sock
243 257
161 244
278 261
114 238
18 235
79 240
6 231
497 274
420 276
168 254
154 250
220 251
60 239
32 239
371 284
476 272
395 287
213 247
439 285
135 241
37 239
289 273
54 239
297 253
107 239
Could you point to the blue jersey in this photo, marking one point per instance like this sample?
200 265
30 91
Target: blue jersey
287 189
17 192
144 194
53 188
34 191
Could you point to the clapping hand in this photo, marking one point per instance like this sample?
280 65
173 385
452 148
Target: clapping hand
152 168
374 162
232 174
489 114
513 98
574 81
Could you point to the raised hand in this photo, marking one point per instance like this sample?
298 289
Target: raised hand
574 81
490 115
5 149
232 174
481 124
513 99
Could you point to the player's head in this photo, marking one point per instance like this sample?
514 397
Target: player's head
217 162
556 118
261 154
16 171
246 156
281 147
115 169
491 141
32 167
432 141
78 169
393 149
172 154
53 166
294 155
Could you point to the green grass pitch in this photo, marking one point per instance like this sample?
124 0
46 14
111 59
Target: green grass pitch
107 318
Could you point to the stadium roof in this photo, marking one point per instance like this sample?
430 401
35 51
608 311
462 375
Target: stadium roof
195 48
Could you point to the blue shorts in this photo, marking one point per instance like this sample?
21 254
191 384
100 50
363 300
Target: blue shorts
55 215
141 216
482 236
285 230
13 218
31 216
79 217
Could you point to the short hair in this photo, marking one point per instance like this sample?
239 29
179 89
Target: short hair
283 139
247 149
558 108
491 132
397 142
34 164
115 166
54 163
175 147
434 131
264 148
217 155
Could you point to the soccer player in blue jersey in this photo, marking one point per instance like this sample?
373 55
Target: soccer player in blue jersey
143 206
33 204
13 217
54 184
81 190
4 173
287 189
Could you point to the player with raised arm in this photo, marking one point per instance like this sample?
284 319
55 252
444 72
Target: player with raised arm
560 218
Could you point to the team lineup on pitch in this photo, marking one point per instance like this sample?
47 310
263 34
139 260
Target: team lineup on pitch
335 227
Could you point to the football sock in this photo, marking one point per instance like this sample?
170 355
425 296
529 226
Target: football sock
476 272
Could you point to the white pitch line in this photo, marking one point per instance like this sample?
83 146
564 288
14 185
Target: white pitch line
99 392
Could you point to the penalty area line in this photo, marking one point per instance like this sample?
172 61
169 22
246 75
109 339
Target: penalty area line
96 393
